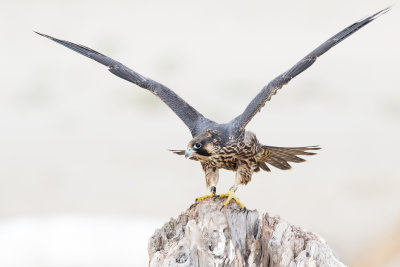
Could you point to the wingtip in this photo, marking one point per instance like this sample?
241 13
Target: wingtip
37 32
42 34
381 12
367 19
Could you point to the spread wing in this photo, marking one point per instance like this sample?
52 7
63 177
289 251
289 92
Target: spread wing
269 90
190 116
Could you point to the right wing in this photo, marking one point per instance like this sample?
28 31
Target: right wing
195 121
269 90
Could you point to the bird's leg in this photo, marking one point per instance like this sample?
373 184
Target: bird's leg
243 173
213 189
231 195
211 181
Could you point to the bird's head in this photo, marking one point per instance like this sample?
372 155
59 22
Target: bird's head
204 145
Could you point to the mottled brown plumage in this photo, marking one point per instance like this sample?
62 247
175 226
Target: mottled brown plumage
244 156
227 145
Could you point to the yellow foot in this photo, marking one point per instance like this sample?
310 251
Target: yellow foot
213 190
231 195
205 197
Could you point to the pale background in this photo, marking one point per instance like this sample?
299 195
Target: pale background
85 175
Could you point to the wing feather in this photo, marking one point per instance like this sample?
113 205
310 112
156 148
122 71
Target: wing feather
271 89
190 116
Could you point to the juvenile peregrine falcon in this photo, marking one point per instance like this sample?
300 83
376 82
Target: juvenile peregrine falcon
227 145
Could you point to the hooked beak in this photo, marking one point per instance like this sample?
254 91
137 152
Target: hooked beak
189 152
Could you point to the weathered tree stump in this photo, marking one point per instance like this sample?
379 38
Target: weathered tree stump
205 235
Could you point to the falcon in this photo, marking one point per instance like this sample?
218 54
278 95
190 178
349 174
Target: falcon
227 145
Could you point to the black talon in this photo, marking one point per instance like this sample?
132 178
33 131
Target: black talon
213 190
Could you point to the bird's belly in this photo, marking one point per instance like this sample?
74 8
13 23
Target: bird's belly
231 162
228 162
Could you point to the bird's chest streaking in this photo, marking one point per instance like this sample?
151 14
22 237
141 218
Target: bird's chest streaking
236 152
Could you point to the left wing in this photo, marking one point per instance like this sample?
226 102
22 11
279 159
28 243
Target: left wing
178 152
240 122
195 121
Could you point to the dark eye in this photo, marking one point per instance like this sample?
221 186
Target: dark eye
197 145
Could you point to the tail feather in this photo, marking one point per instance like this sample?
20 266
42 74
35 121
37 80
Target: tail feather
280 157
263 166
279 163
288 157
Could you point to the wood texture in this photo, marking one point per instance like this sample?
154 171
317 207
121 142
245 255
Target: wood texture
205 235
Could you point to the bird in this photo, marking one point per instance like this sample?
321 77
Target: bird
227 145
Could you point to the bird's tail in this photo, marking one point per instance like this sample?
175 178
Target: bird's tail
280 157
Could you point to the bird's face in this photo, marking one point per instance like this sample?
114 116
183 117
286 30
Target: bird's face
204 145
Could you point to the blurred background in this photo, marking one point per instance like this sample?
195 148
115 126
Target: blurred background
85 175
